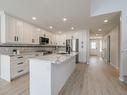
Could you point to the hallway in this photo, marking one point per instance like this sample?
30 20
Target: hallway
94 79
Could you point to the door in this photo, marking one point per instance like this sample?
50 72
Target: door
95 47
108 49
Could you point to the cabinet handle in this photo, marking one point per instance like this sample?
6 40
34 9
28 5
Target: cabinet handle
17 38
20 63
37 55
20 57
14 38
20 71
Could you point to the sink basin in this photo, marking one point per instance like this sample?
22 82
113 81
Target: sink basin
62 53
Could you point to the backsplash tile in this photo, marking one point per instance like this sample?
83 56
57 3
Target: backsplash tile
24 49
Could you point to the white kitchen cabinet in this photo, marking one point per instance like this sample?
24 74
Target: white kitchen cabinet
72 35
68 36
12 67
49 35
27 33
16 31
52 39
35 35
11 30
15 66
60 40
19 31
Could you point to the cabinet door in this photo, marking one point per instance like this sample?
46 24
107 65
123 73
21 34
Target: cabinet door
58 39
10 30
51 39
27 33
68 36
19 31
35 35
64 40
54 39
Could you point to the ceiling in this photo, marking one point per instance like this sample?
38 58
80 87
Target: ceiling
51 13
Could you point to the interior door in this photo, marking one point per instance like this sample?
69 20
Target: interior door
94 47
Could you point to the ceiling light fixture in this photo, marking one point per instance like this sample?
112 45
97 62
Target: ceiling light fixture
34 18
72 28
51 27
60 32
38 29
64 19
99 29
106 21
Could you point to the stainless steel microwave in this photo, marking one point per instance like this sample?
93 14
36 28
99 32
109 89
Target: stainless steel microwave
43 40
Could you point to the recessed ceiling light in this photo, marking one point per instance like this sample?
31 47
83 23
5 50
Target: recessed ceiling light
72 28
34 18
38 29
51 27
60 32
96 34
99 29
64 19
106 21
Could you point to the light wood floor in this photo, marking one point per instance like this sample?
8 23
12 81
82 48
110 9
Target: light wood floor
95 78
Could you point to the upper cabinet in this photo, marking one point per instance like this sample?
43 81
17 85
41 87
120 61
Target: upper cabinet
16 31
60 39
27 33
19 31
35 35
11 30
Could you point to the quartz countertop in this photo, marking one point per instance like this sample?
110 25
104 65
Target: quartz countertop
55 58
22 54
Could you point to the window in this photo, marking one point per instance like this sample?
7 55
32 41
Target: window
100 45
93 45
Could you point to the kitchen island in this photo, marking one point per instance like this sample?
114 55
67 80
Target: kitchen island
49 73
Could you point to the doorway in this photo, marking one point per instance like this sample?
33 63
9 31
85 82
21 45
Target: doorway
108 48
95 47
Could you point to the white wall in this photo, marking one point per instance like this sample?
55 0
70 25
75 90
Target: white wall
114 47
99 7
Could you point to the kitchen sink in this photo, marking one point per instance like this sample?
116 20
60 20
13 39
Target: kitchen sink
62 53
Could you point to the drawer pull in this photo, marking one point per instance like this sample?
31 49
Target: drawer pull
20 63
20 57
20 71
37 55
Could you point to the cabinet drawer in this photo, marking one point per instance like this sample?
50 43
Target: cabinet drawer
16 72
19 64
17 58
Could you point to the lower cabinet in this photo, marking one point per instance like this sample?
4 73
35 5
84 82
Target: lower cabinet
15 66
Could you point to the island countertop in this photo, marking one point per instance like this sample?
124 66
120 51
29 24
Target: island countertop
49 73
55 58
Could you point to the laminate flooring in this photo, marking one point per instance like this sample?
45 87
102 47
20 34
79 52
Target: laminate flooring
95 78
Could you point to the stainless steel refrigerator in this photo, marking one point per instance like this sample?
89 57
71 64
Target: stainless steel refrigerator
72 45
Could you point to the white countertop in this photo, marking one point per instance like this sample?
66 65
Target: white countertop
55 58
21 54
